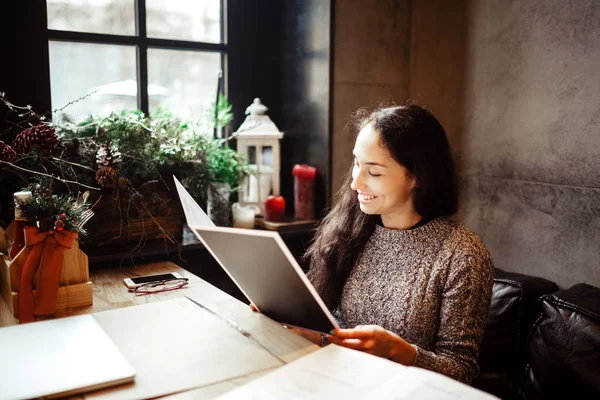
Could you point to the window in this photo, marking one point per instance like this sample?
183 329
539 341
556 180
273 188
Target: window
142 54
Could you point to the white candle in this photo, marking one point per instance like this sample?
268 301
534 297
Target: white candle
243 217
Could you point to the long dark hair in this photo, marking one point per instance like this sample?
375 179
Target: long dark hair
417 141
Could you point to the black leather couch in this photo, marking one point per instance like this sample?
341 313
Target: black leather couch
540 343
563 350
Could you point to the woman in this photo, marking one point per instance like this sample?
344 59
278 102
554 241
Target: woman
412 285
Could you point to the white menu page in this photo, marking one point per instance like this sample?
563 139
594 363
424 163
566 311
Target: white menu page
336 372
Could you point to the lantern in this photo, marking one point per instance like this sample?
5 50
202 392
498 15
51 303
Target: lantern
258 140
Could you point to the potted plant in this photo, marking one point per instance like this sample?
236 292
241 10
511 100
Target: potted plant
206 165
126 160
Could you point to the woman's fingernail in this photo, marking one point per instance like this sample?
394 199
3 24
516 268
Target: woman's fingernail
332 332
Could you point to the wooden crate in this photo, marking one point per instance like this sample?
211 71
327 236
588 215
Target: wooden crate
75 288
118 225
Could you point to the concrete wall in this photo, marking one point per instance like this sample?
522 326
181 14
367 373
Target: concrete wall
532 138
438 64
517 86
371 47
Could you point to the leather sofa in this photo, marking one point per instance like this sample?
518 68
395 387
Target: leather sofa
563 349
538 339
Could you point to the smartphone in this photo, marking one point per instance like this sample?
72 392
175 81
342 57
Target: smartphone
136 281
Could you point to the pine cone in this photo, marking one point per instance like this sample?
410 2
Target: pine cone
7 153
107 177
41 136
108 156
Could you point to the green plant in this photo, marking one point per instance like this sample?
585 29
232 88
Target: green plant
125 157
224 164
190 148
148 146
223 112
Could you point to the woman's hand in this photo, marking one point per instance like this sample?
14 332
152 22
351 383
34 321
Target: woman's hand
373 339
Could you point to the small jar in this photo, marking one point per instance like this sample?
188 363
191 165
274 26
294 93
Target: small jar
304 191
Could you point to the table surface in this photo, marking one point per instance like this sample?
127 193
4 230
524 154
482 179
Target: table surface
110 293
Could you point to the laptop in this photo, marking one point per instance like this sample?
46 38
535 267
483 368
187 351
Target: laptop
58 358
263 268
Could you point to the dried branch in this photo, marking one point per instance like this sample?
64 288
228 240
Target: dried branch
74 101
48 175
74 164
14 106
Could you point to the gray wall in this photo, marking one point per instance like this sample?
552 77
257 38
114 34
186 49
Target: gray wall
532 139
517 86
371 47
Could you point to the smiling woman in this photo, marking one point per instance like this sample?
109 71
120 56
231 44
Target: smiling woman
412 285
384 187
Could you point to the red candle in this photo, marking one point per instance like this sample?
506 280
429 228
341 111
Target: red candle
304 191
274 208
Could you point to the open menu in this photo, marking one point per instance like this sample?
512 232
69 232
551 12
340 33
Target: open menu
264 269
336 372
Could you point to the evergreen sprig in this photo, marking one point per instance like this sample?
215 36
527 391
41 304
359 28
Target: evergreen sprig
46 209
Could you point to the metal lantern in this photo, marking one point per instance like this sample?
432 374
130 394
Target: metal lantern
258 140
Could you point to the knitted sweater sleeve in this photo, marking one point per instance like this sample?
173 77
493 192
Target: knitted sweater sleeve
465 303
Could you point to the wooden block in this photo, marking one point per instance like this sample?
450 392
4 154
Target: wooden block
3 241
75 287
74 269
10 233
5 289
77 295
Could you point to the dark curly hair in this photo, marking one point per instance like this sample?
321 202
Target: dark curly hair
416 140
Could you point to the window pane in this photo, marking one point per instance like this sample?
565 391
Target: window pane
184 81
77 69
193 20
98 16
267 155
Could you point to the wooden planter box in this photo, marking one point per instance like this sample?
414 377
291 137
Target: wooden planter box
117 223
75 286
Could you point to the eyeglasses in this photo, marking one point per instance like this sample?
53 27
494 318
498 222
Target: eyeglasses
160 286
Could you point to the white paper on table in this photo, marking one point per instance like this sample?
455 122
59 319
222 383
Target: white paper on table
338 372
175 345
194 215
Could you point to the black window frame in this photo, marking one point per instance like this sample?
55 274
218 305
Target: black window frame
142 42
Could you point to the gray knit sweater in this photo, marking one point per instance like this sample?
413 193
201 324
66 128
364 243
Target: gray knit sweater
430 285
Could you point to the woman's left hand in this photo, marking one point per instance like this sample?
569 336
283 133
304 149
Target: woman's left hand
373 339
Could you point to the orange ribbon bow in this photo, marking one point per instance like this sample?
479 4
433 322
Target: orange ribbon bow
46 254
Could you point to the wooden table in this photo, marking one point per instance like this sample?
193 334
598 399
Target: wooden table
110 293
